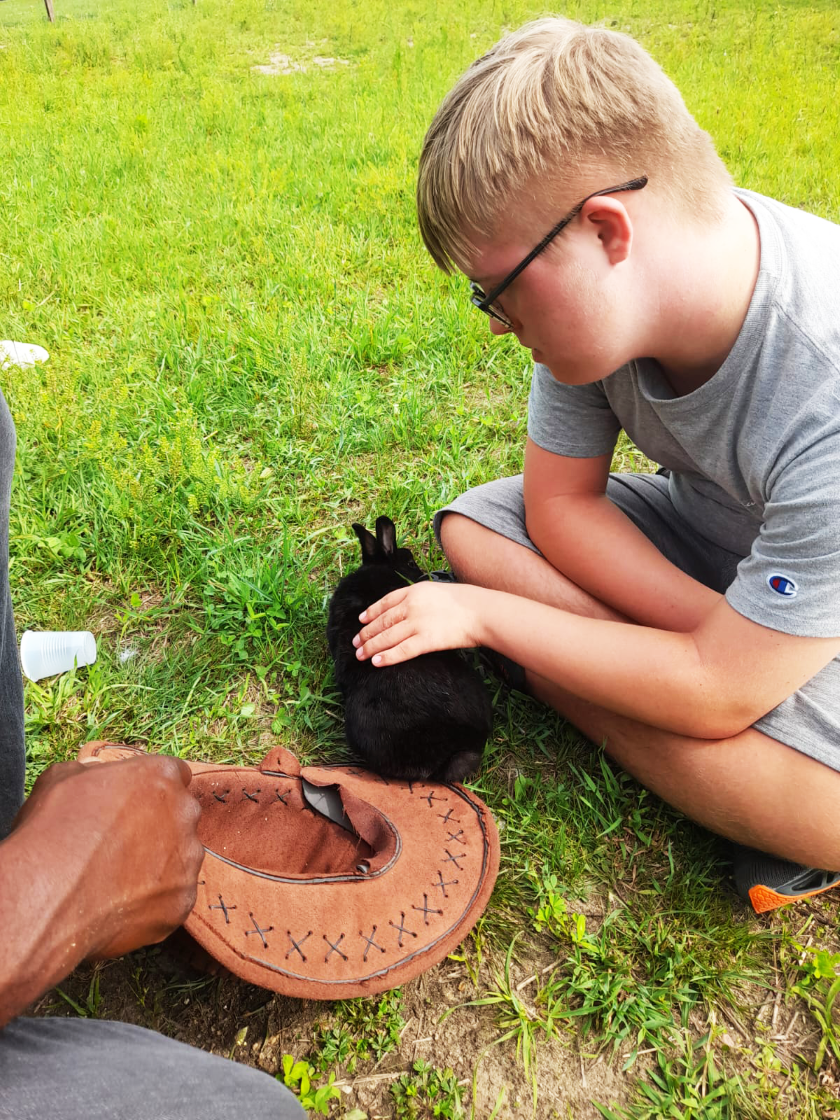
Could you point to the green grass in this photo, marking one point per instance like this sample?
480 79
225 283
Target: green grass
249 350
427 1091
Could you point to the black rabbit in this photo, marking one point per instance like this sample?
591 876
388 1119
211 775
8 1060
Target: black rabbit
428 718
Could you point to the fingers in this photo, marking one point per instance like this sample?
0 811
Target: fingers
169 770
383 604
181 767
175 772
403 651
192 814
190 857
390 618
391 645
402 625
58 772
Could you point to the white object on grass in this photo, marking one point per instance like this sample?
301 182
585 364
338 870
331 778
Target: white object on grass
21 354
43 653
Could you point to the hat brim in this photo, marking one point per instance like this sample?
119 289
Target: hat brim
346 894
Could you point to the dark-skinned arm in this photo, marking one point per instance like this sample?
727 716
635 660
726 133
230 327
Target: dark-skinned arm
102 858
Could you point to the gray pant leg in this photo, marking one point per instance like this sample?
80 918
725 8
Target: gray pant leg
12 753
76 1069
80 1069
496 505
499 505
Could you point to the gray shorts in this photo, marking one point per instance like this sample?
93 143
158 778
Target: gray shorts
809 720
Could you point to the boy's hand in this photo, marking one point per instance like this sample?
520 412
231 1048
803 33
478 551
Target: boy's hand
420 619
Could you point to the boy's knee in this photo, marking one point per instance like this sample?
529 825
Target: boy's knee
449 531
457 534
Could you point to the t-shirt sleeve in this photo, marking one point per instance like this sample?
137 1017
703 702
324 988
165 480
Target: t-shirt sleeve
574 420
790 582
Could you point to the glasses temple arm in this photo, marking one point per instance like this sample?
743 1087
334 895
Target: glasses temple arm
633 185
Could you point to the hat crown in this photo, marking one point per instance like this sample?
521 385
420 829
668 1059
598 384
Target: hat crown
263 822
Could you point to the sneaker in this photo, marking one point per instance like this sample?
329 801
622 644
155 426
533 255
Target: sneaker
768 882
510 673
443 577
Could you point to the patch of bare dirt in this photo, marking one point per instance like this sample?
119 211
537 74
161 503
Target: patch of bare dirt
281 63
155 988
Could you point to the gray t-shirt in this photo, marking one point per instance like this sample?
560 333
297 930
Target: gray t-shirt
755 451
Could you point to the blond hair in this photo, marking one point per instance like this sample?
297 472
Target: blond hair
556 101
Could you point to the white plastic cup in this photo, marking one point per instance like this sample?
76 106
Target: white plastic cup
43 653
23 354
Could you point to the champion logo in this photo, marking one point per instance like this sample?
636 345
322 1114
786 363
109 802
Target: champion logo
782 586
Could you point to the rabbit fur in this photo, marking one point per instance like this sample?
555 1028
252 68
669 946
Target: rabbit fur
424 719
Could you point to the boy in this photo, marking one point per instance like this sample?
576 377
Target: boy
690 620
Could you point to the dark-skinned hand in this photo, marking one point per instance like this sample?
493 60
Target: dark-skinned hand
124 835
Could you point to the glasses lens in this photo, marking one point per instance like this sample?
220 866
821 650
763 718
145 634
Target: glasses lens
495 312
492 309
477 294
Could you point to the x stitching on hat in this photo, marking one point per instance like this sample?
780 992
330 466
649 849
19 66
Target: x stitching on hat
403 929
443 884
426 909
223 908
296 945
370 943
257 929
334 948
454 859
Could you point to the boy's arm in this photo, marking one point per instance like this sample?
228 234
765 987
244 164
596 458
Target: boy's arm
710 683
586 537
696 665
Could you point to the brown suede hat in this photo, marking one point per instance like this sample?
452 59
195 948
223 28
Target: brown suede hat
330 882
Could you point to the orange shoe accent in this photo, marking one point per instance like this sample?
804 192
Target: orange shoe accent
765 898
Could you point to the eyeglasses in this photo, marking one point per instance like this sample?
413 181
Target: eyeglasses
487 304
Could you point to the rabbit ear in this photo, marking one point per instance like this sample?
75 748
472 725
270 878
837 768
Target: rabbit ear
386 535
370 547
